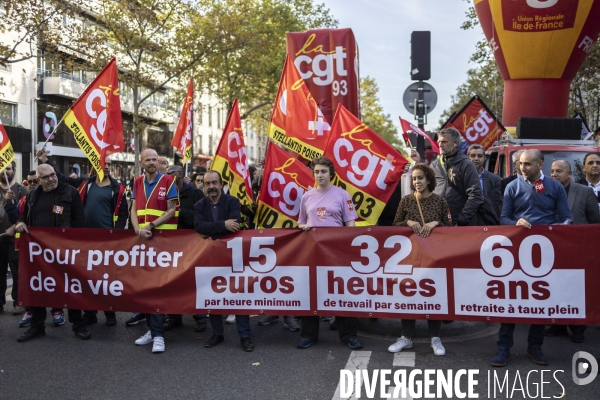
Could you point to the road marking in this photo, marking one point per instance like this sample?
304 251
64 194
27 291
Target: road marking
404 359
391 393
357 360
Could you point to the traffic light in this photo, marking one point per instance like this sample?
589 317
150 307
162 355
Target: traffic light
420 55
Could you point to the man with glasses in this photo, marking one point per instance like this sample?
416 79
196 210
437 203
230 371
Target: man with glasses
104 207
188 196
217 215
591 167
11 194
32 180
52 204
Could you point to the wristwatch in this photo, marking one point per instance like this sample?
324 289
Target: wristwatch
151 225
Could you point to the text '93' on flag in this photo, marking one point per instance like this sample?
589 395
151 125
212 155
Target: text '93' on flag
296 121
95 118
285 180
366 166
231 159
182 138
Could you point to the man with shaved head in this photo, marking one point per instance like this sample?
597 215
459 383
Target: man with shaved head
155 205
52 204
531 199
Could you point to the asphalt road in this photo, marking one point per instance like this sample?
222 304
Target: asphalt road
110 366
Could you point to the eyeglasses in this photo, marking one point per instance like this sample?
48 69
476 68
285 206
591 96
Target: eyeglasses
52 175
32 181
172 171
199 181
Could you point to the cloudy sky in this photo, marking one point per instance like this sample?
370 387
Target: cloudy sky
382 30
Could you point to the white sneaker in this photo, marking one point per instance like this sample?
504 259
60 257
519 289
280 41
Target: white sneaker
401 343
436 345
147 338
159 345
230 319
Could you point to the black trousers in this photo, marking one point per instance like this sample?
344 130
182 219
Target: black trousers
346 328
9 258
39 314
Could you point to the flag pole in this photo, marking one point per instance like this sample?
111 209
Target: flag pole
49 136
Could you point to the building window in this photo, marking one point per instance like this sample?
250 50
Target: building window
210 116
218 118
8 113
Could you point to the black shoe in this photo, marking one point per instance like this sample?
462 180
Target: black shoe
214 340
111 320
304 343
577 337
247 344
537 356
200 326
333 325
172 323
556 330
135 319
83 334
354 343
32 333
326 318
90 319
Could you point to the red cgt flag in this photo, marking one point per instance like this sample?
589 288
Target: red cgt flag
285 180
366 166
297 122
407 127
95 118
476 123
7 153
182 138
231 159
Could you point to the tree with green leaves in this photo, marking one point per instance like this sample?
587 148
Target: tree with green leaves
372 113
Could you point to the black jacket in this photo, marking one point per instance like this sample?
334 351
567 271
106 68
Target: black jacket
114 185
229 208
188 196
465 196
66 197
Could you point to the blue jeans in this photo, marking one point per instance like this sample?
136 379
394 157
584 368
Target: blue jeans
242 322
155 323
535 339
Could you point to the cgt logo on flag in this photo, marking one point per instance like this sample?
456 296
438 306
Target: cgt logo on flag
321 212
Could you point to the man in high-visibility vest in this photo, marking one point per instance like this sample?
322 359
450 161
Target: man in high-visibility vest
104 206
155 203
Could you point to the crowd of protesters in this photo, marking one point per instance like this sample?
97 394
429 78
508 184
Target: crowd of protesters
454 190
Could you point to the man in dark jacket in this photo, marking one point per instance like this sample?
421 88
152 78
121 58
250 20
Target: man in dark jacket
52 204
457 179
104 205
216 215
189 195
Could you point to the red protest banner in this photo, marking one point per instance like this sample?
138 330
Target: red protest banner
231 159
408 127
296 121
182 138
95 118
327 60
502 274
366 166
285 180
476 123
7 153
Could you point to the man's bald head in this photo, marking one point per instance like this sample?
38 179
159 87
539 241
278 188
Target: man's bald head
149 161
561 172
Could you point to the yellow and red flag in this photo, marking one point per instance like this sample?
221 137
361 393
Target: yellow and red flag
285 180
182 138
366 166
231 159
297 122
7 153
95 118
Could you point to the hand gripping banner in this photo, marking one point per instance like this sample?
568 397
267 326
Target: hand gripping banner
296 121
285 180
95 118
231 159
182 138
493 274
366 166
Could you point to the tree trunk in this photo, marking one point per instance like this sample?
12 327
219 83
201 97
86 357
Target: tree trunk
136 131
